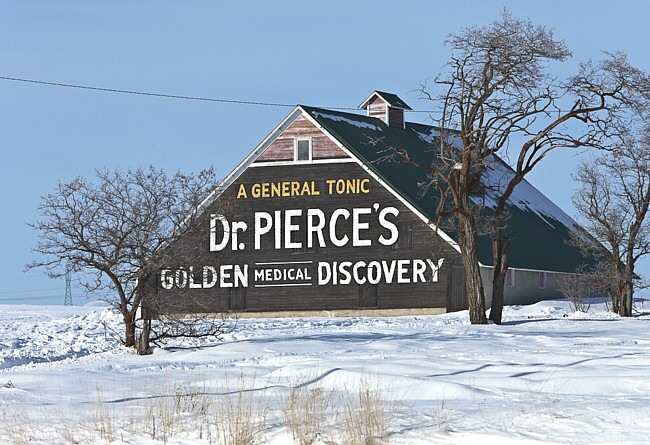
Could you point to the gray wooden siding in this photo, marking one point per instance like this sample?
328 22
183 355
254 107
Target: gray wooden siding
194 249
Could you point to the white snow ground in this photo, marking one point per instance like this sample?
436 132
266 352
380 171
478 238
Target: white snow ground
547 376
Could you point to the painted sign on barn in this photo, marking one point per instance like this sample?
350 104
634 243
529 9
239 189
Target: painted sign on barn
332 237
295 229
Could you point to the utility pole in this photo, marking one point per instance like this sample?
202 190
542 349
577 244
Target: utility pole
68 290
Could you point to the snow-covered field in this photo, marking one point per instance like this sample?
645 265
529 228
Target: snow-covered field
546 376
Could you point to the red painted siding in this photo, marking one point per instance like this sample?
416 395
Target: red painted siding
282 148
396 117
377 108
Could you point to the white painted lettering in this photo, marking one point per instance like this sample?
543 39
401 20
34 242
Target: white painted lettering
358 226
224 275
388 225
215 221
315 228
324 273
193 284
278 229
344 269
388 269
338 242
419 267
435 268
402 271
241 275
212 273
238 226
289 228
374 272
355 272
262 229
167 279
181 278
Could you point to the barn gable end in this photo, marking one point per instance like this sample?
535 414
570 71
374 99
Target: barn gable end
283 148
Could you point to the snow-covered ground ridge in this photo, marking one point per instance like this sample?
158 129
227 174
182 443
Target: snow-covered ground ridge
547 375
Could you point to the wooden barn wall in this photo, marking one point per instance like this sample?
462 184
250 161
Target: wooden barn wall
396 117
282 149
276 275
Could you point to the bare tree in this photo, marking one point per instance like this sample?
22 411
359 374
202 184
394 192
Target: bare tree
114 231
588 282
497 95
613 199
593 100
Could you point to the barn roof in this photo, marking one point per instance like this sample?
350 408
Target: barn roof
391 99
539 230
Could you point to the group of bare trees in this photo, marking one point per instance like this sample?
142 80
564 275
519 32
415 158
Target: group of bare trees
498 96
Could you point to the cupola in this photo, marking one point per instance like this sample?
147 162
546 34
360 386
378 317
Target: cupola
386 106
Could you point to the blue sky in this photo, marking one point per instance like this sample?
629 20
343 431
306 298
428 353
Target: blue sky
328 53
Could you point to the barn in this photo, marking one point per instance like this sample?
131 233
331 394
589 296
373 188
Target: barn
315 221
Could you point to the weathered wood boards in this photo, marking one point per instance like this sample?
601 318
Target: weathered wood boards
310 237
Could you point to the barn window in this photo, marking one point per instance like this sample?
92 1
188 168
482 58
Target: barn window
302 150
510 278
542 278
237 300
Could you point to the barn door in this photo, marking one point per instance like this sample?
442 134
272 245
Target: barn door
368 295
237 300
456 296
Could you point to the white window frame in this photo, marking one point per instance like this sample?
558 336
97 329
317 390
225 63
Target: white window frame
295 150
510 278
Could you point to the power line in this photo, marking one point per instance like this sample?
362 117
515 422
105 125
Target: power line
145 93
174 96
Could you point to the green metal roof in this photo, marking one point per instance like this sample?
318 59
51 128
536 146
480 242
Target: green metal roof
392 99
538 229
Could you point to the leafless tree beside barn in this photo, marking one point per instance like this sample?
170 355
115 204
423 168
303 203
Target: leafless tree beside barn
613 199
113 232
498 96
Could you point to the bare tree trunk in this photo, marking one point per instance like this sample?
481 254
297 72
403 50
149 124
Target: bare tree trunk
500 245
473 282
144 346
129 333
616 296
625 308
626 297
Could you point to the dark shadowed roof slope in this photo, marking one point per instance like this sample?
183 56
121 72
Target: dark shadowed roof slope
539 230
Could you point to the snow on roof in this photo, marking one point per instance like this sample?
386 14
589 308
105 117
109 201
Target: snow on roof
356 123
429 137
496 177
432 134
524 196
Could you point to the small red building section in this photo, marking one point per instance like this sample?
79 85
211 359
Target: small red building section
377 108
284 147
